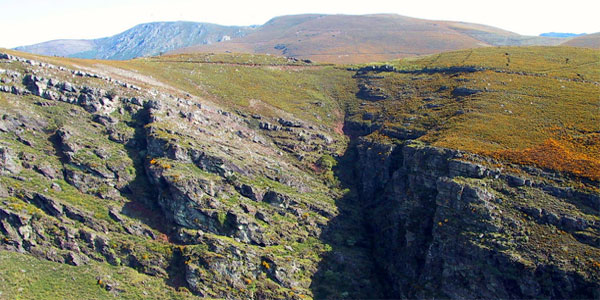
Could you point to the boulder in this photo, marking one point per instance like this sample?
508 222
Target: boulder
276 199
268 126
9 163
50 95
3 191
18 91
371 93
68 87
104 120
463 92
465 169
249 192
263 217
35 84
289 123
76 259
47 204
571 223
514 180
376 69
115 215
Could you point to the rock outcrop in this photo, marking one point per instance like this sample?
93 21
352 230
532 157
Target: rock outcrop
98 172
434 215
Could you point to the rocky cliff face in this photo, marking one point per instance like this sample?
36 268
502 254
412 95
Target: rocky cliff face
213 202
99 170
444 226
142 40
450 224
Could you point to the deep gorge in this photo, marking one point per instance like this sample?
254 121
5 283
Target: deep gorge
201 198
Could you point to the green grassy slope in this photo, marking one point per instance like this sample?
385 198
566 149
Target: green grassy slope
25 277
515 107
208 112
532 105
256 83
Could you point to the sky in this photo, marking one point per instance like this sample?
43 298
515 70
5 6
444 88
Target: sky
25 22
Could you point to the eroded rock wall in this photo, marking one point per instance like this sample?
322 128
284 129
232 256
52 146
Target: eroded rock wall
443 226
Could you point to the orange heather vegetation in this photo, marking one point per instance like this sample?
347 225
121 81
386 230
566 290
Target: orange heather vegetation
531 105
553 154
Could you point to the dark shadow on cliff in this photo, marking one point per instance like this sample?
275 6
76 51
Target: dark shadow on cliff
348 271
142 195
140 192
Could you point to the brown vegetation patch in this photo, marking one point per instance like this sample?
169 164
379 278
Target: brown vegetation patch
556 155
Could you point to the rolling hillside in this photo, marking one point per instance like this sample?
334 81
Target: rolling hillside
586 41
359 39
323 38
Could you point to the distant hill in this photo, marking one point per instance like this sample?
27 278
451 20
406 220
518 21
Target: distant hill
499 37
561 34
587 41
141 40
60 47
323 38
356 39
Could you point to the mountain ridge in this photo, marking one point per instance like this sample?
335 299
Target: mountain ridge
145 39
342 39
321 37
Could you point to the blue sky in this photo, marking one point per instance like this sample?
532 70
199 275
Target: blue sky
31 21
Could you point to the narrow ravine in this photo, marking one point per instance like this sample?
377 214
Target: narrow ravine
348 271
423 222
